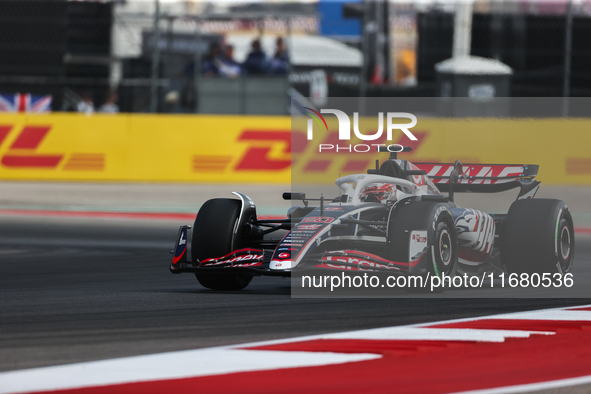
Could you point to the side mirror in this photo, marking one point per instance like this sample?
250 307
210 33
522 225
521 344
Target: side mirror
294 196
459 168
457 172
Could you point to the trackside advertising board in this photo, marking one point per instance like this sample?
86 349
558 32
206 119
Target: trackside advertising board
245 149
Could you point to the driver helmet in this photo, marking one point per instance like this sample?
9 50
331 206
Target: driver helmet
378 192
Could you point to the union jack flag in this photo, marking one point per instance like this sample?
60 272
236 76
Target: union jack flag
25 102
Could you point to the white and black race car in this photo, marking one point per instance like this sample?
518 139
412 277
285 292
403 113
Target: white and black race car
393 219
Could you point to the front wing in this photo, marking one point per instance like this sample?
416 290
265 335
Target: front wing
247 261
256 261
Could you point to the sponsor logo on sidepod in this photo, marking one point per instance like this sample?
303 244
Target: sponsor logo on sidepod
317 219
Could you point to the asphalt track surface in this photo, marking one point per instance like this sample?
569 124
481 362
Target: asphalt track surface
79 289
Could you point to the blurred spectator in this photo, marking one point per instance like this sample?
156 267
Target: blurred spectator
228 66
280 61
209 65
85 105
171 98
110 105
256 61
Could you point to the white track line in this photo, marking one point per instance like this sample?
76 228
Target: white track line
528 388
564 315
164 366
434 334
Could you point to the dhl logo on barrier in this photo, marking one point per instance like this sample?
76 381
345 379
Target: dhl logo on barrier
253 149
295 149
257 156
22 153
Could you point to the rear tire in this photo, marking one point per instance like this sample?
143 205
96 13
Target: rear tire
538 237
213 236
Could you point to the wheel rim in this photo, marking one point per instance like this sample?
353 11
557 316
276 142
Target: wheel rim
445 250
565 242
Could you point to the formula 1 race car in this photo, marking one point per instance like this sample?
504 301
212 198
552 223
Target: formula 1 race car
393 219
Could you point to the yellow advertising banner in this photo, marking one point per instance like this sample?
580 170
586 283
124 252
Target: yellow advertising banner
144 148
251 149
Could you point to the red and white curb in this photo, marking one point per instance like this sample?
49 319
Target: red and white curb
508 353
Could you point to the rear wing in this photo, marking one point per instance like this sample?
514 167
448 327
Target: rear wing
483 178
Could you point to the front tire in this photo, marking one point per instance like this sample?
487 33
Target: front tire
214 236
538 237
441 256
